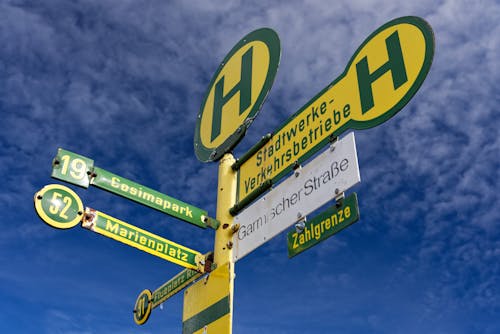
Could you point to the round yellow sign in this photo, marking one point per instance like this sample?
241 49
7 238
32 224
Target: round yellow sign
143 306
236 94
59 206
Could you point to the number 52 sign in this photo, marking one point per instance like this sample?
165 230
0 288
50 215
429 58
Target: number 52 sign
59 206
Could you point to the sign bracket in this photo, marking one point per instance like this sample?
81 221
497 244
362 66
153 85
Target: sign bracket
263 141
239 206
333 142
339 197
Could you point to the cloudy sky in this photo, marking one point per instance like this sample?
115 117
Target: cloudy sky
121 82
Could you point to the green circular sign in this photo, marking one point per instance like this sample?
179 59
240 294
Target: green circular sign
143 306
59 206
236 93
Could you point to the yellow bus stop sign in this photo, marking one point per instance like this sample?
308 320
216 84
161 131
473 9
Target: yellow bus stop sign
380 79
236 93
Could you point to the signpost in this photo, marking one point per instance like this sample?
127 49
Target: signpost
381 77
379 80
79 170
328 175
330 222
208 303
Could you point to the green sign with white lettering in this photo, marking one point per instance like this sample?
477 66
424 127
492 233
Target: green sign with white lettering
333 220
79 170
72 168
147 196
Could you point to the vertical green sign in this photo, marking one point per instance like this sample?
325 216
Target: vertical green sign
323 226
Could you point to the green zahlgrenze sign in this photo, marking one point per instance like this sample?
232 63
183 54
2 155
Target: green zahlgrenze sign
323 226
380 79
131 235
79 170
143 305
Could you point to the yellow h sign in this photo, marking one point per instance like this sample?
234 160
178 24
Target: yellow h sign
382 76
236 94
243 87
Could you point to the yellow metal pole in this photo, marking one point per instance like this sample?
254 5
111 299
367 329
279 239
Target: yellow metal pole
226 198
208 303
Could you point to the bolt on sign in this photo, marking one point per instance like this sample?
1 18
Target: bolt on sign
379 80
236 93
326 224
79 170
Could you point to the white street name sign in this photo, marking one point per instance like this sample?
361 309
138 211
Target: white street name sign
330 173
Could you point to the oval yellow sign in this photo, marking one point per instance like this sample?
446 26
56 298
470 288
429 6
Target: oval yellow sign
236 94
59 206
387 70
143 307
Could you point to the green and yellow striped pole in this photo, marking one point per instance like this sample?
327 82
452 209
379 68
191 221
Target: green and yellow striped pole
208 304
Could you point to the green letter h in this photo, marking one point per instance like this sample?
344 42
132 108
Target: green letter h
395 64
244 87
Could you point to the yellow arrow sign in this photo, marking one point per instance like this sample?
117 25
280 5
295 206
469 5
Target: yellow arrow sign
131 235
381 77
60 207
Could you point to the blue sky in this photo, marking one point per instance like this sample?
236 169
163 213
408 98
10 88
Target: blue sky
122 81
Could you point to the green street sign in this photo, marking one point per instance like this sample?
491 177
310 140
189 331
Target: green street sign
72 168
236 93
174 285
146 301
79 170
134 236
58 206
323 226
148 197
142 308
382 76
